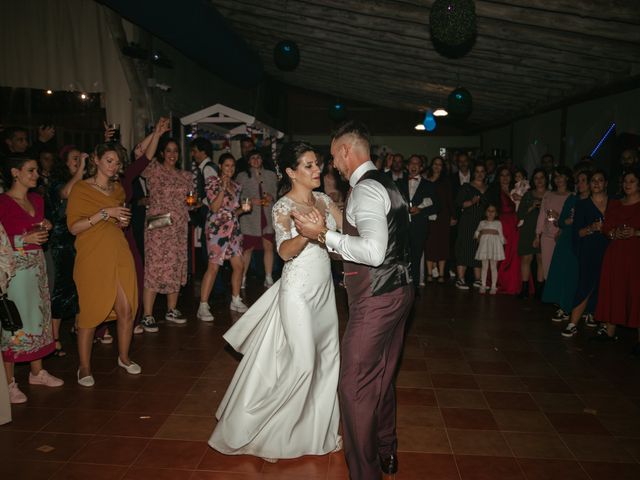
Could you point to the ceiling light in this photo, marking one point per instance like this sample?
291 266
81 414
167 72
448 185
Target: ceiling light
83 96
419 126
440 112
49 92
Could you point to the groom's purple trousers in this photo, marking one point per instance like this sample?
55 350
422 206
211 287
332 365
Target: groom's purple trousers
371 350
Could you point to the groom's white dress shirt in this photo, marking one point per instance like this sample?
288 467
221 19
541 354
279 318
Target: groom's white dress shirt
367 210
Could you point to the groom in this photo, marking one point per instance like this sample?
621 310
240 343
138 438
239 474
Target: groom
374 246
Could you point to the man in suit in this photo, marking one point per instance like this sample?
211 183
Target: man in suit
375 249
397 172
421 197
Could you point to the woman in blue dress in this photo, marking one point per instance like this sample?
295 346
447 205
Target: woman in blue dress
589 246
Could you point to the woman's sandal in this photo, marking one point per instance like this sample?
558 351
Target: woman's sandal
59 351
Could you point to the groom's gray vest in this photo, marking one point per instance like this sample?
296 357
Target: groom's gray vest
365 281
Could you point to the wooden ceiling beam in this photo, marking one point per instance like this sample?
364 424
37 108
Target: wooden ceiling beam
295 25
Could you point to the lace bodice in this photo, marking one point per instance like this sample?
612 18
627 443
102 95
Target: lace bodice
283 223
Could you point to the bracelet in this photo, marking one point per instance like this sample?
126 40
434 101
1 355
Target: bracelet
104 214
322 236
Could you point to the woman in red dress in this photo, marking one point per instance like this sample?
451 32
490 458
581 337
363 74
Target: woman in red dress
618 300
509 275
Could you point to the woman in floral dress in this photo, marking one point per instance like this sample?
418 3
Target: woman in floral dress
224 240
165 248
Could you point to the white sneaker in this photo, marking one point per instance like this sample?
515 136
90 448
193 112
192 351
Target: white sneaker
268 281
204 312
560 316
237 305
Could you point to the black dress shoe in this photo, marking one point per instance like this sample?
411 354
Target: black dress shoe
389 464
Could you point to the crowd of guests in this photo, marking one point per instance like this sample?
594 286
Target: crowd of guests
86 234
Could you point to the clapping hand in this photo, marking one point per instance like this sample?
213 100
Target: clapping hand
46 133
108 132
163 126
309 225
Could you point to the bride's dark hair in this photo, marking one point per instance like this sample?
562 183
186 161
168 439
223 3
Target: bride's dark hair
290 158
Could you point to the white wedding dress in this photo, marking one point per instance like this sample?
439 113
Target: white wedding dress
282 401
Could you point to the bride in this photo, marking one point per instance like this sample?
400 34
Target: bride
282 401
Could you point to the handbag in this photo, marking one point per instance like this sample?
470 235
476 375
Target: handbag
159 221
9 315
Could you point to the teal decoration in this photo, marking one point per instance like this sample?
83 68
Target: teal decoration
453 22
337 112
460 103
286 55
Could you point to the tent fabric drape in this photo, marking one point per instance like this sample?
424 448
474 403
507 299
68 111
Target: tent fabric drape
48 44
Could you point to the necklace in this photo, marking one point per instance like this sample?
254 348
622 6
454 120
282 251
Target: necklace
308 203
104 189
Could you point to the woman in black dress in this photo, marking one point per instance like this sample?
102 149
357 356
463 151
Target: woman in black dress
472 204
436 248
68 169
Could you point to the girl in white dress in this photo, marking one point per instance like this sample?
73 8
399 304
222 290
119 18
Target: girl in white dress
490 247
282 401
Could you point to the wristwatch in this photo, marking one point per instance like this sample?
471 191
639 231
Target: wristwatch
104 214
322 236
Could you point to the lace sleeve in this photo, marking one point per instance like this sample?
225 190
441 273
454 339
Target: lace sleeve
282 222
330 208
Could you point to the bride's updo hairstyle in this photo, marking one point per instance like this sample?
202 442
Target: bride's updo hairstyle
290 158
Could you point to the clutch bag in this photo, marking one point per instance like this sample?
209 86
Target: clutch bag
159 221
9 315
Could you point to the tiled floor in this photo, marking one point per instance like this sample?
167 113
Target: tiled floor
488 389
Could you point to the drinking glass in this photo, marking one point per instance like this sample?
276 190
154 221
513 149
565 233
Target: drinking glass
116 132
191 198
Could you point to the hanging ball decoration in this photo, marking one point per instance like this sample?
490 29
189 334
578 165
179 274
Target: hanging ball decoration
337 112
429 121
286 55
460 103
453 22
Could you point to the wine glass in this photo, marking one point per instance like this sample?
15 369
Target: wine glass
246 204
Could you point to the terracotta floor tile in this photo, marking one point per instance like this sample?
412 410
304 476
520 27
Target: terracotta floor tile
536 469
510 401
478 442
588 385
488 468
175 454
483 355
86 399
29 470
80 471
595 448
133 425
631 445
413 365
167 384
198 475
32 419
455 398
12 439
419 416
467 418
546 385
416 396
442 352
446 380
338 467
301 467
181 369
611 405
559 402
118 381
491 368
500 383
199 405
110 450
537 445
216 461
577 423
457 366
187 427
426 466
415 379
423 439
621 425
50 447
151 473
522 421
611 471
79 421
152 403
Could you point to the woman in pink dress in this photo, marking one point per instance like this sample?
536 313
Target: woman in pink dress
165 259
547 226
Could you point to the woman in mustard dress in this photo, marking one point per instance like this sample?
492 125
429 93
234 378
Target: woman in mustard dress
104 271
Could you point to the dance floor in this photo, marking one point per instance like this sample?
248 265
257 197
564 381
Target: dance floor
488 389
